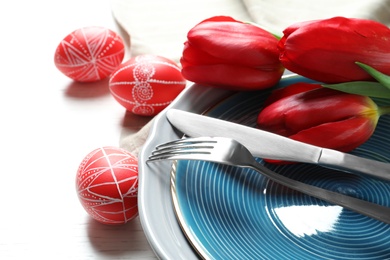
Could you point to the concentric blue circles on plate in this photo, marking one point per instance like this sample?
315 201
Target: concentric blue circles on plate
235 213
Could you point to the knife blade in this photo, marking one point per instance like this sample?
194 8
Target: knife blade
268 145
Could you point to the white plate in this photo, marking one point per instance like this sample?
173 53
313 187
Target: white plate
158 218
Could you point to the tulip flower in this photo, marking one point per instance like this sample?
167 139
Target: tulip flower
327 50
290 90
322 117
223 52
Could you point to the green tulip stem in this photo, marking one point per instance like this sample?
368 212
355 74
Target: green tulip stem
384 110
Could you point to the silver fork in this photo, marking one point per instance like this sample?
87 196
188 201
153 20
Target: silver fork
230 152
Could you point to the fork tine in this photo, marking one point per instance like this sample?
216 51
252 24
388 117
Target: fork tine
182 149
181 154
185 141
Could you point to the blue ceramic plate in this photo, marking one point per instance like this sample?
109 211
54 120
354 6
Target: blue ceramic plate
234 213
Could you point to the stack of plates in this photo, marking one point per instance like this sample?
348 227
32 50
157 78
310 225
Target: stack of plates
195 209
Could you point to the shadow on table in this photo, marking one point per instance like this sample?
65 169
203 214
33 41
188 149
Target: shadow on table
88 89
117 241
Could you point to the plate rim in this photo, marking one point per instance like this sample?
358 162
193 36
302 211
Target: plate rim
170 242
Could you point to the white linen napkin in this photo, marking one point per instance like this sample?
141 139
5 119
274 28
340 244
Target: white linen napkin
160 26
278 14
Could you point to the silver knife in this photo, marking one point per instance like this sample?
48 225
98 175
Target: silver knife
265 144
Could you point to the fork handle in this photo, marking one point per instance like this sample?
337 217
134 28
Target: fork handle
363 207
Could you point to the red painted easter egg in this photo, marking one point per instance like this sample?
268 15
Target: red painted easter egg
89 54
107 185
146 84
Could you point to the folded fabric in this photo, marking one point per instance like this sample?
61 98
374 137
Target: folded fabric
160 27
134 142
276 15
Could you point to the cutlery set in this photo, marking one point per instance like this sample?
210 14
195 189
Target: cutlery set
220 141
265 144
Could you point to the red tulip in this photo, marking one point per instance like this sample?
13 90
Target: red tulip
322 117
326 50
223 52
290 90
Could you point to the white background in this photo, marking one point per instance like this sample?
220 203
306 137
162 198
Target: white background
48 124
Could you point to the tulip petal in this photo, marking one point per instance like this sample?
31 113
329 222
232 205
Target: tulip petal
343 135
220 18
321 65
290 90
326 50
196 56
232 76
236 42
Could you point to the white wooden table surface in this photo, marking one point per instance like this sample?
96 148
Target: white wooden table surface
48 124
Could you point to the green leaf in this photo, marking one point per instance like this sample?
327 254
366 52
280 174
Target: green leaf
364 88
379 76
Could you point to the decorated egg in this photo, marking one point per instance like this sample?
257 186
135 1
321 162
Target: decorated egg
89 54
107 185
146 84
